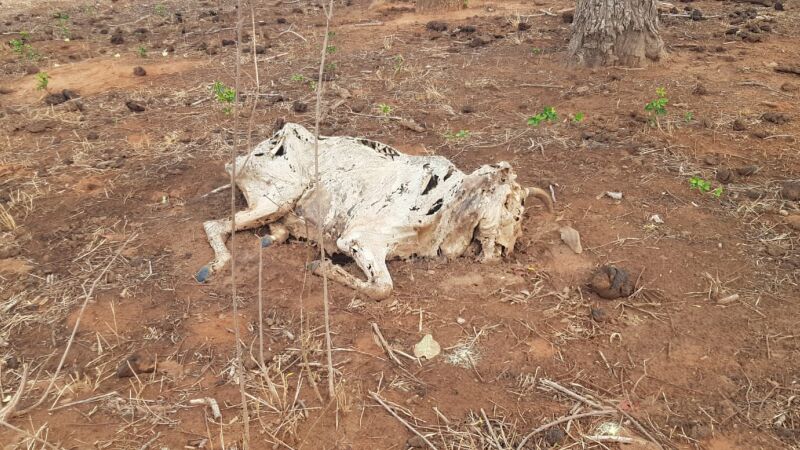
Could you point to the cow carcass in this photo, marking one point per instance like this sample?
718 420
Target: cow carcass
373 203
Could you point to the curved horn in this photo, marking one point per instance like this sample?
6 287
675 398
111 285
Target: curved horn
542 195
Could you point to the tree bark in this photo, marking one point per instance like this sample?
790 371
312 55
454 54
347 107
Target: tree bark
615 32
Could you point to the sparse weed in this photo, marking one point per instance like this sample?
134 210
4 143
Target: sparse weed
577 117
536 51
224 95
548 114
330 67
331 49
142 51
297 78
688 116
22 48
161 10
384 109
42 80
63 24
459 135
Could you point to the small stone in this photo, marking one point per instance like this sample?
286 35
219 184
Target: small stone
228 42
776 118
117 38
12 363
553 436
139 71
789 87
435 25
134 106
791 190
775 250
416 442
697 15
467 109
747 171
92 136
55 99
600 315
478 41
711 160
568 16
461 320
725 175
739 125
778 5
299 107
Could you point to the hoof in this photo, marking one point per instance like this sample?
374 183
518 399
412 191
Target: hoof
203 274
266 241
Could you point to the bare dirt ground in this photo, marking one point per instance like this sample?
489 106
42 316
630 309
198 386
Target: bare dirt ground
679 364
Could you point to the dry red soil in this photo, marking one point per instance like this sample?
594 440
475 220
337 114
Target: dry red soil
704 354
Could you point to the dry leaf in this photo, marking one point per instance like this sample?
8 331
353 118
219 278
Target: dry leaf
427 348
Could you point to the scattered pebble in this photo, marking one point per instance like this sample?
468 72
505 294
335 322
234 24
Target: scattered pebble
725 175
435 25
739 125
139 71
774 117
135 364
600 315
794 222
461 320
299 107
747 171
790 190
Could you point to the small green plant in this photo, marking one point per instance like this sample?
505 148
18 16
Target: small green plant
330 67
461 134
659 105
384 109
42 80
224 95
24 36
63 24
142 51
717 192
578 117
161 10
297 78
536 50
548 114
17 46
22 48
688 116
312 85
700 184
331 49
398 63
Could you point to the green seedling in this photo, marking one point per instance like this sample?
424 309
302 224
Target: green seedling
331 49
224 95
330 67
22 48
142 51
688 116
461 134
385 109
398 63
297 78
63 24
536 50
42 80
548 114
705 186
577 117
24 36
659 105
312 85
17 46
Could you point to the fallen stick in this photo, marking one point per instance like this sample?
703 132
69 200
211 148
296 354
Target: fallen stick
561 420
385 344
565 391
378 399
211 403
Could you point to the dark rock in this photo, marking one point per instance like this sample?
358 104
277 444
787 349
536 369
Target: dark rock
523 26
467 29
55 99
778 5
711 160
610 282
39 127
600 315
415 442
774 117
478 41
117 38
31 70
553 436
739 125
789 191
568 17
299 107
467 109
92 136
139 71
789 87
228 42
725 175
12 363
260 50
134 106
435 25
697 15
280 20
135 364
747 171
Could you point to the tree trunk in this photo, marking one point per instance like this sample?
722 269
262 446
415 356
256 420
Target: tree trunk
429 5
615 32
